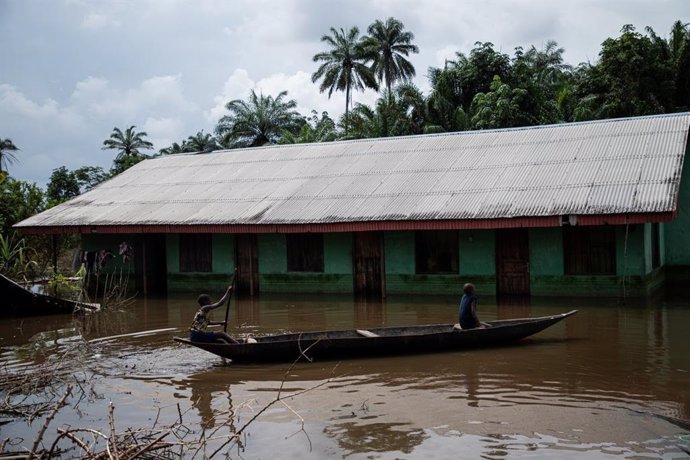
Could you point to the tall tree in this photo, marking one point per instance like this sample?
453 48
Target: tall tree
546 78
388 45
128 143
343 67
258 121
62 186
679 44
7 156
445 102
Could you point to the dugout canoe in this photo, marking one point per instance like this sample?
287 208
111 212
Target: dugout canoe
19 301
344 344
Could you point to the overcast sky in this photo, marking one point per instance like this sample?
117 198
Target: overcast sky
74 69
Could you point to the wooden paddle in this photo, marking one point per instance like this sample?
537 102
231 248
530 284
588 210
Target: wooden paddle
227 309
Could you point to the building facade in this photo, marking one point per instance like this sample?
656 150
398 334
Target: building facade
583 209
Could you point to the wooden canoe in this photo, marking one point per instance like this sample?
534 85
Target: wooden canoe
19 301
377 341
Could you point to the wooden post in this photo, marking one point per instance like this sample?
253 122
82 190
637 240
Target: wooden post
55 253
227 309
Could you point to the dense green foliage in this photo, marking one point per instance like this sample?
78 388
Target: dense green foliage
314 129
18 201
62 186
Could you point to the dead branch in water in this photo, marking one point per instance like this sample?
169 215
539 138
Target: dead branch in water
280 398
49 419
157 442
29 392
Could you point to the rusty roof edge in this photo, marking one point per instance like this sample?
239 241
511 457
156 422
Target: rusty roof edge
341 227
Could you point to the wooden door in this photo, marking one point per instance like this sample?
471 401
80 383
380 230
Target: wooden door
150 264
247 263
368 264
512 262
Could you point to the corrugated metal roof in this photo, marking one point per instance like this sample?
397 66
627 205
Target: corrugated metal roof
612 167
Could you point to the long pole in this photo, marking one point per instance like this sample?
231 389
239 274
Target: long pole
227 309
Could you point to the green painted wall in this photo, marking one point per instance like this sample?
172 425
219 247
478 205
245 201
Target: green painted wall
546 261
222 265
477 252
632 278
630 256
337 275
223 254
172 246
476 260
545 253
677 232
477 264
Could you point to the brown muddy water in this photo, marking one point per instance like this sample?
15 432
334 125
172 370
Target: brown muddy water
612 381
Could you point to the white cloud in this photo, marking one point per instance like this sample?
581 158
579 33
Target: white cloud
97 21
14 102
164 131
237 86
156 95
447 53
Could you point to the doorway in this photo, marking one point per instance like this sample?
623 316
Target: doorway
247 263
368 265
512 262
150 263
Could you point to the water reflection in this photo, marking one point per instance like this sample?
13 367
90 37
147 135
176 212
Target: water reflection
354 438
586 383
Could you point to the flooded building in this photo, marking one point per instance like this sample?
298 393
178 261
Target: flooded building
581 209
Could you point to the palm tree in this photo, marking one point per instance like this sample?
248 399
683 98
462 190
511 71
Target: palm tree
258 121
127 143
201 142
343 67
6 155
388 44
174 148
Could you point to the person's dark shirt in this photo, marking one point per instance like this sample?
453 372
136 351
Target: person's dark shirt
467 317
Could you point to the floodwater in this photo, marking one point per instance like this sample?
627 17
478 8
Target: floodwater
613 381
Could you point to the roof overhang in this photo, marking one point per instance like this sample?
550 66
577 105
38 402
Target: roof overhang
342 227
